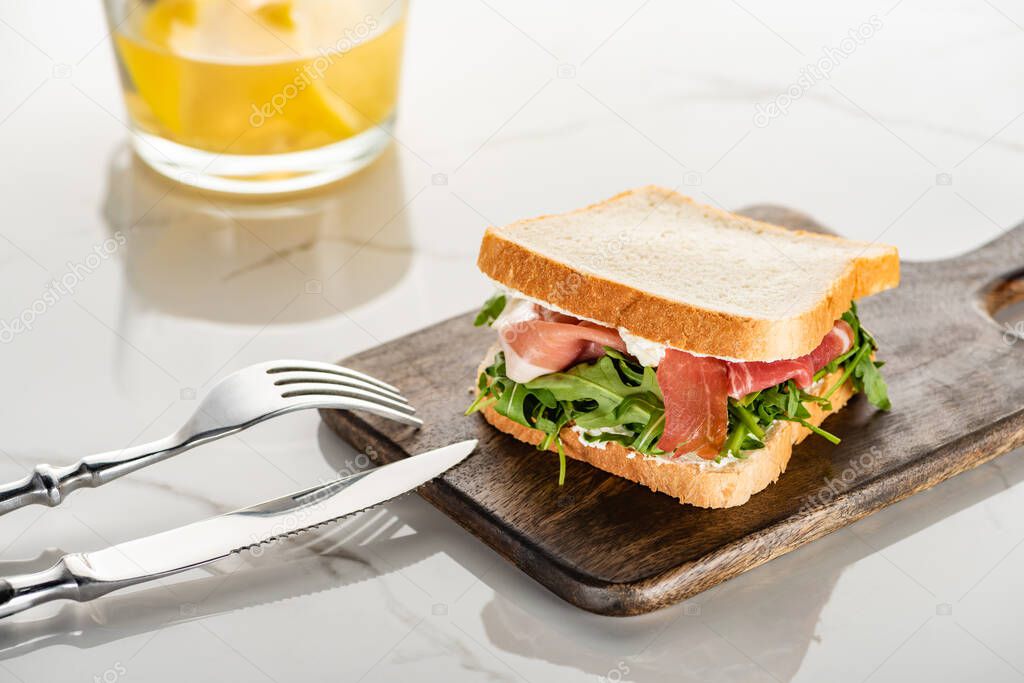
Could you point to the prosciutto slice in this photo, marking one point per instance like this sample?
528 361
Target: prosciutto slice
537 342
838 341
746 378
696 413
695 389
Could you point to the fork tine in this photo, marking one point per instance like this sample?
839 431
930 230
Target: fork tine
337 402
321 389
306 365
329 378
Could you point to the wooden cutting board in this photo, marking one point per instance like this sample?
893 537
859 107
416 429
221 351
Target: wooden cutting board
956 379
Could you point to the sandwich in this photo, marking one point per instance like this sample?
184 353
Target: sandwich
674 344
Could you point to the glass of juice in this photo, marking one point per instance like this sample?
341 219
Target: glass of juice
258 96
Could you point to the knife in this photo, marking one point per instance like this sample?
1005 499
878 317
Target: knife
85 576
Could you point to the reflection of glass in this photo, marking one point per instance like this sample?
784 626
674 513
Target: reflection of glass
241 261
259 95
251 267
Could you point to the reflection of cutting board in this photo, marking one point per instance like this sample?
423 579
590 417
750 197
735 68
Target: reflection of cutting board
956 379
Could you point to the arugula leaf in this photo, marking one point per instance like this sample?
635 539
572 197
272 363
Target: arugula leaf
859 365
868 379
492 308
629 368
748 419
512 404
733 442
602 383
613 392
647 438
561 463
783 402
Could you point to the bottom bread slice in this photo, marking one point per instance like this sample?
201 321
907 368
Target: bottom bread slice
706 485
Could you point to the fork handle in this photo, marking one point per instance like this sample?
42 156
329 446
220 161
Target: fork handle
49 485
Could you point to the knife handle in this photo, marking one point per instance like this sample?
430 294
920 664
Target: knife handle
22 591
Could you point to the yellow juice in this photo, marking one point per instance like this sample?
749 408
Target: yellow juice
260 76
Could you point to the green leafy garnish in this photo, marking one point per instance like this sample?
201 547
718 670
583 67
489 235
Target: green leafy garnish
614 393
866 377
786 401
753 415
491 310
600 395
616 399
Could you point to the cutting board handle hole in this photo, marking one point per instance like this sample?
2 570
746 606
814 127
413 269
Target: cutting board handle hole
1003 300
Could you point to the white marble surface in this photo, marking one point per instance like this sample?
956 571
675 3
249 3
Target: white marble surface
653 91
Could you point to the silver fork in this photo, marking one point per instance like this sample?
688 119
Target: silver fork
249 396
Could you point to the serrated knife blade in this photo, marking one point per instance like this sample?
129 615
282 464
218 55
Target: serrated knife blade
85 576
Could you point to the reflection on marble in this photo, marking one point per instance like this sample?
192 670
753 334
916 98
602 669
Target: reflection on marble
290 569
685 642
240 260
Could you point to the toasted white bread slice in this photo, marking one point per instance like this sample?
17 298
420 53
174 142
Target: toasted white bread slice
702 484
667 269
